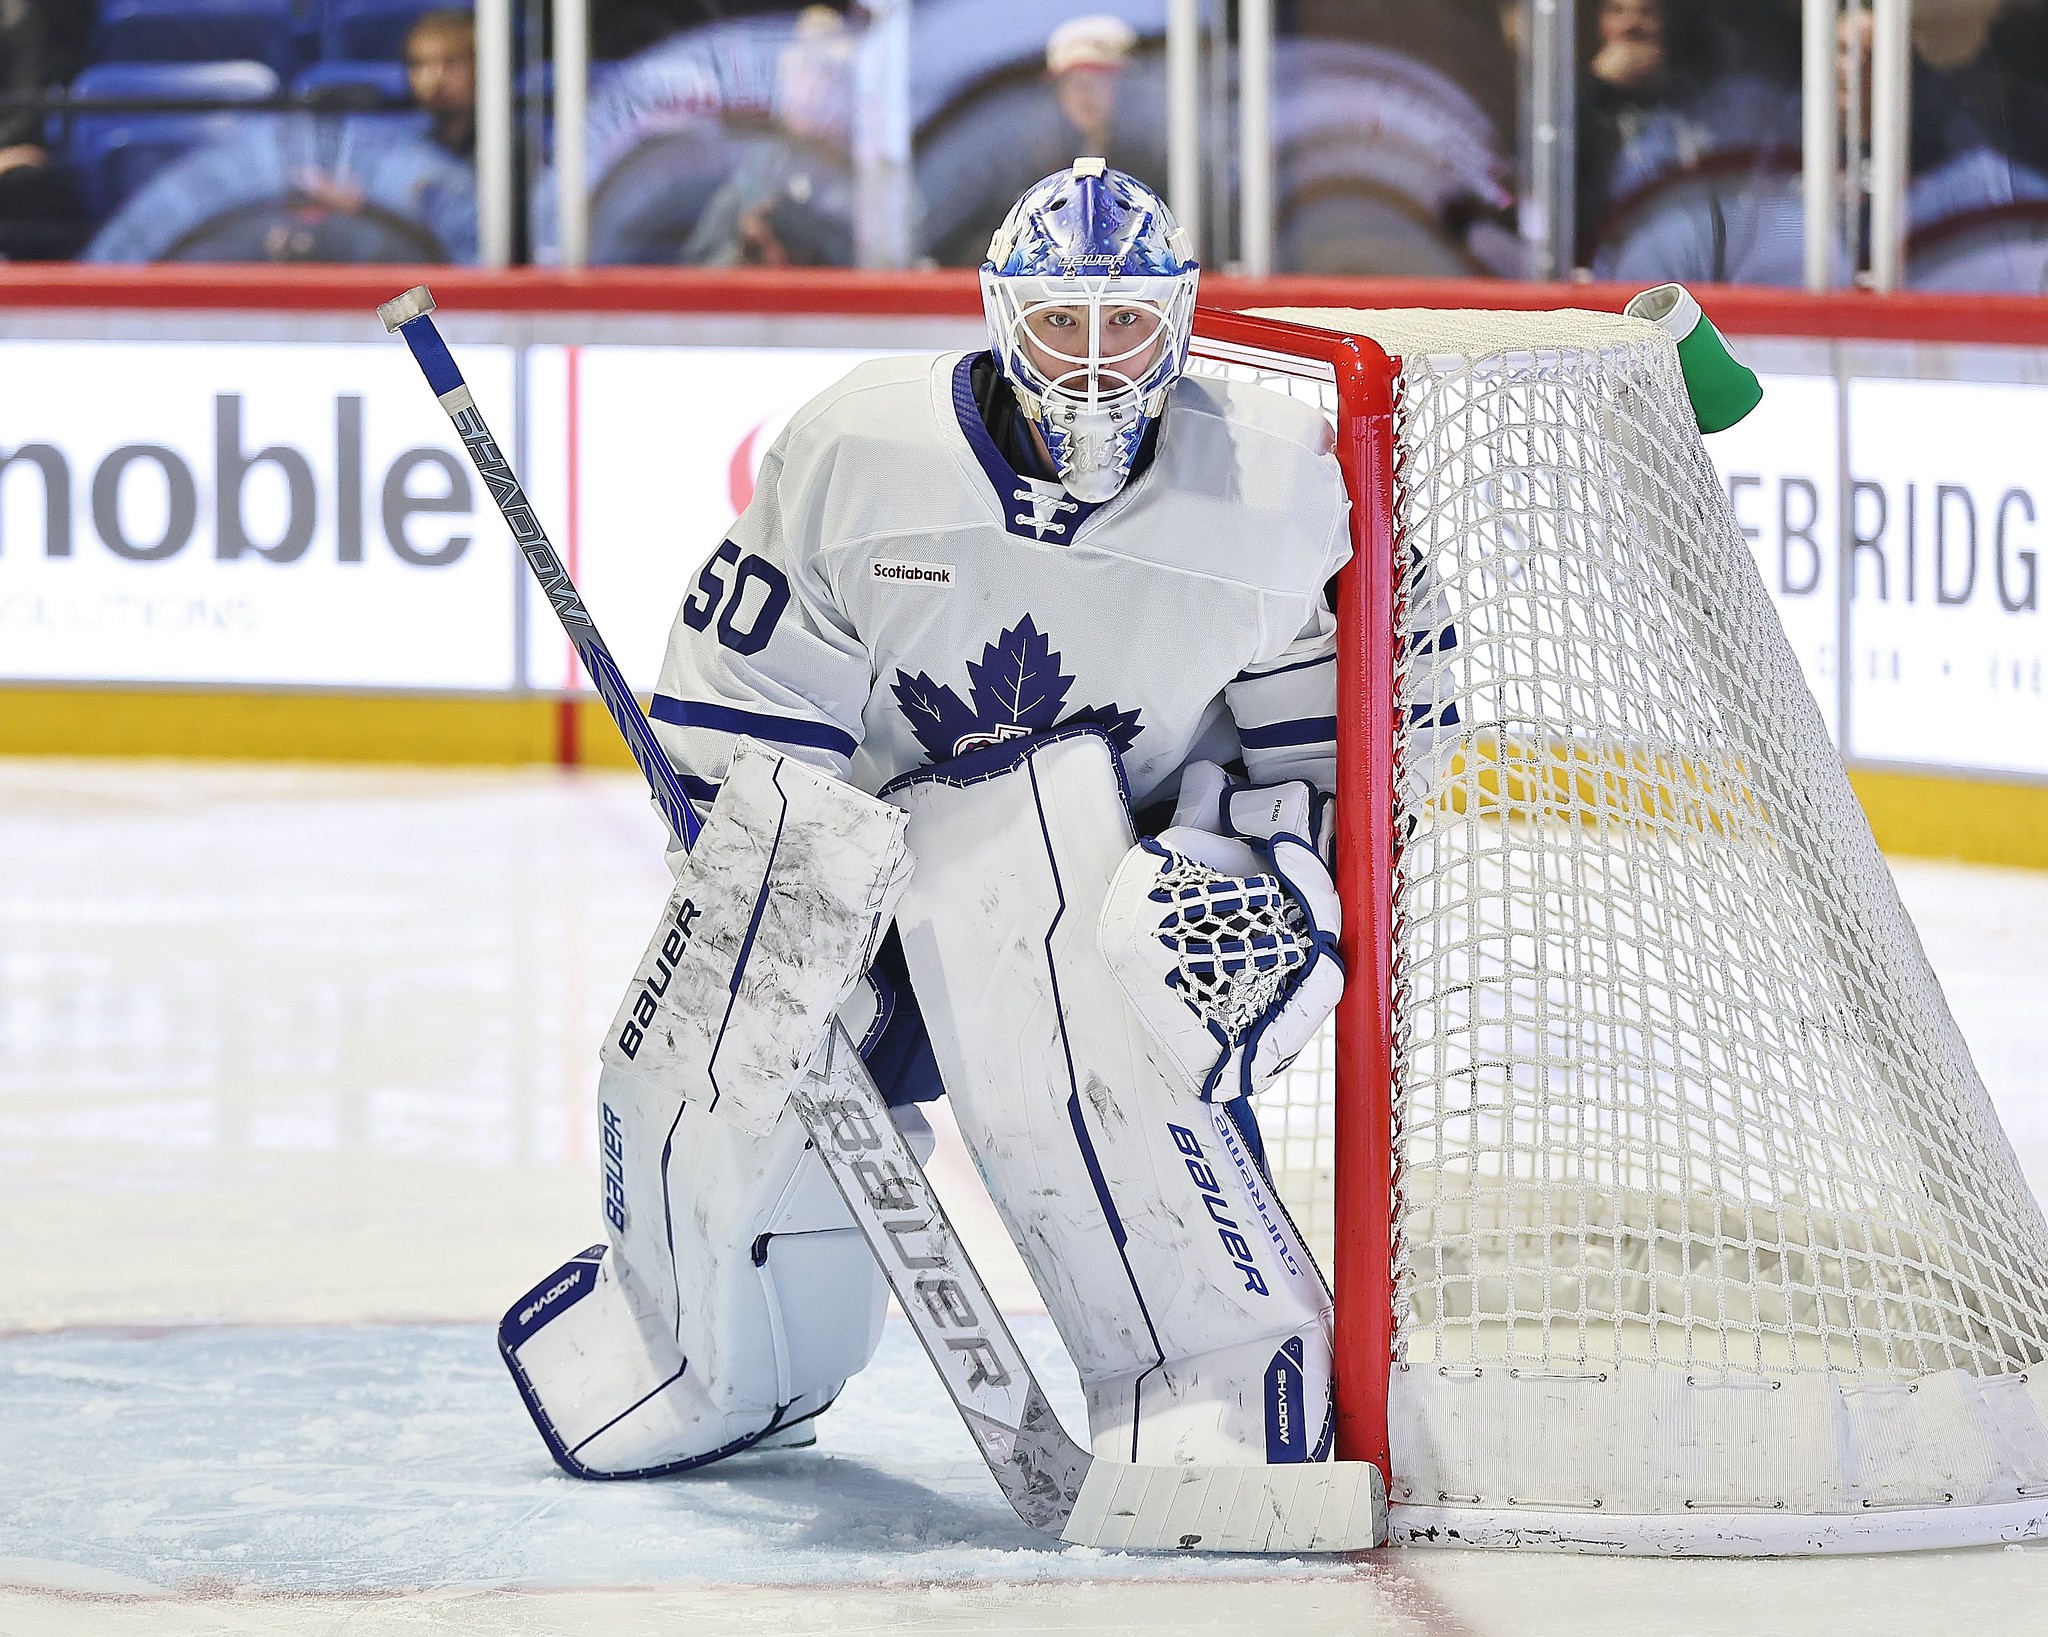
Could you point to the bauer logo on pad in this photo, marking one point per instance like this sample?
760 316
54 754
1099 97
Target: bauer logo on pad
932 576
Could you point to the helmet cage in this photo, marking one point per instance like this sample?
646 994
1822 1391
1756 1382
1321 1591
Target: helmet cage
1100 245
1091 396
1095 371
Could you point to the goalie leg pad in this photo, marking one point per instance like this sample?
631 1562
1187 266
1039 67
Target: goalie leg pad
734 1299
1271 1401
609 1390
1171 1271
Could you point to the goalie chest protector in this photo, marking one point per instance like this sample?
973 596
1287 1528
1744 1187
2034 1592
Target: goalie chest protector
896 595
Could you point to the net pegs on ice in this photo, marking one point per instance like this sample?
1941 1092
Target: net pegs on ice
1723 389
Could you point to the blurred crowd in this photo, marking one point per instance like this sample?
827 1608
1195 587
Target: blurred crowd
723 132
285 130
1688 159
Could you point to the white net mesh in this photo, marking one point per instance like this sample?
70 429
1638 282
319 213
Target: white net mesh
1677 1096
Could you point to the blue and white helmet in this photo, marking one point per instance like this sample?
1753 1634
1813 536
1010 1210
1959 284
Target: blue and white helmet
1089 288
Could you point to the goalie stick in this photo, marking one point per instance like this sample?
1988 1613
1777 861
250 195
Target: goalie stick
1054 1484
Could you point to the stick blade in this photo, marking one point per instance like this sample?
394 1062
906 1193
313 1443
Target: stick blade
399 310
1320 1506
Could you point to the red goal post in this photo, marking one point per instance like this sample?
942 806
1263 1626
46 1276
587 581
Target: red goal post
1359 376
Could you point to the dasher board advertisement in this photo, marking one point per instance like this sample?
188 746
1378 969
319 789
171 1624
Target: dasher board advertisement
285 514
642 457
1947 501
1780 468
1948 521
301 514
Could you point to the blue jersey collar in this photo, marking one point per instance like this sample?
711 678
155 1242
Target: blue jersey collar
1031 512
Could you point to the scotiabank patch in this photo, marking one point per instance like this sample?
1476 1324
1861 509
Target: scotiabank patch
929 576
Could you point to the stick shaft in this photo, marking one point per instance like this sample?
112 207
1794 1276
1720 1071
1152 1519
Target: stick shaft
490 463
1039 1468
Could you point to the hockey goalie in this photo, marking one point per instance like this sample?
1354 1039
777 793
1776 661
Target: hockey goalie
1023 659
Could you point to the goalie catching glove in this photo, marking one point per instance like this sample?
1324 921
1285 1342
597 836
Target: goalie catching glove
1222 931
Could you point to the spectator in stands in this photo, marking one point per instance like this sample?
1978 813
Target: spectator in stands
301 187
42 212
1084 58
440 67
1963 100
1977 148
1976 208
1688 147
1087 113
1628 90
2017 42
325 186
789 200
623 28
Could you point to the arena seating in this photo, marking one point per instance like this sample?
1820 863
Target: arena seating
288 35
383 80
229 51
274 32
115 153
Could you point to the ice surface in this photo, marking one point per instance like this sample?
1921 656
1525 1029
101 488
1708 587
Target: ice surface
398 1458
295 1080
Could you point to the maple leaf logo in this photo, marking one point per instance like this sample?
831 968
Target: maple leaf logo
936 713
1016 688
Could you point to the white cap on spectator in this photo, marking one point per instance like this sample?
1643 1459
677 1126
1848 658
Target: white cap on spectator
1089 42
815 21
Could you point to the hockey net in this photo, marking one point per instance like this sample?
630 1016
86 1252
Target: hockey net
1672 1214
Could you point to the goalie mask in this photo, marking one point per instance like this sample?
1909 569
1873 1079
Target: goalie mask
1089 288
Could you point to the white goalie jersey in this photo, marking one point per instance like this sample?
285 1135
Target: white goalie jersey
896 594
